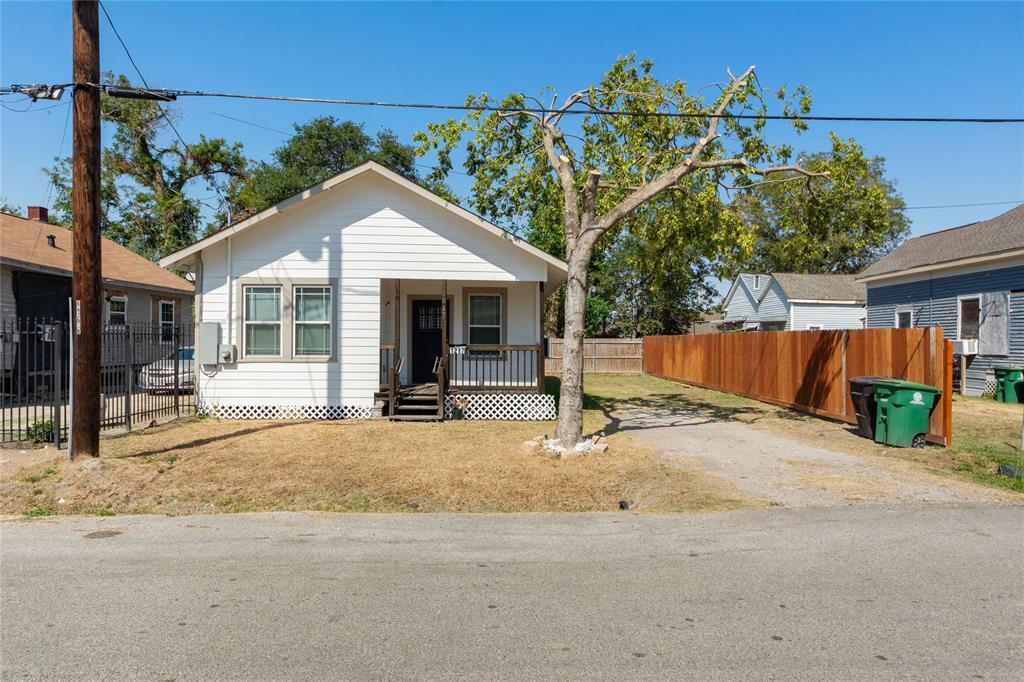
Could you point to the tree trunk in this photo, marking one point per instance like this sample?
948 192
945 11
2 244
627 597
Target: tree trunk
570 404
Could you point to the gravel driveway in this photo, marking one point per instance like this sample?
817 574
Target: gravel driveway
784 472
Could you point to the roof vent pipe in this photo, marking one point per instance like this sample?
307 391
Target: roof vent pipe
51 240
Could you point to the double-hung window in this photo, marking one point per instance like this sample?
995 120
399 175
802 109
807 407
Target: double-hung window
262 319
312 321
904 317
969 317
485 318
167 321
117 310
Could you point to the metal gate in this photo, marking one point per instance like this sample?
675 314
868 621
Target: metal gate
147 373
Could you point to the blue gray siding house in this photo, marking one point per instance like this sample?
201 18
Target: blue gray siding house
793 302
970 281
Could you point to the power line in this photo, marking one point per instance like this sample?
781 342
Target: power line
143 78
60 151
588 111
986 203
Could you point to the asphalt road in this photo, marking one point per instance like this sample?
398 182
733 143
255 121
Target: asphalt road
860 592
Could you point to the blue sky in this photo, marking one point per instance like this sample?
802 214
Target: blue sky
901 59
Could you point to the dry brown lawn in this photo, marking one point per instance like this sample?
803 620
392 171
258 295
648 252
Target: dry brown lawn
203 466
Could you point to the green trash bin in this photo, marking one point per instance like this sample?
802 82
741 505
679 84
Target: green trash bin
903 411
1009 384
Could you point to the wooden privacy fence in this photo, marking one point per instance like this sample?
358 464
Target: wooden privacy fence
808 370
601 355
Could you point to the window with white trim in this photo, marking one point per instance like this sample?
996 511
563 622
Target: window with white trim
166 311
312 321
968 317
262 319
485 318
117 310
904 317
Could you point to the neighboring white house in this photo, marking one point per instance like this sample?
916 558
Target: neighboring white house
367 291
792 302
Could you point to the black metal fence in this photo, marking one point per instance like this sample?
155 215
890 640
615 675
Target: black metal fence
147 372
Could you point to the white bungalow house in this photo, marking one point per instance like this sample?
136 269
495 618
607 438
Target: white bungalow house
793 302
369 293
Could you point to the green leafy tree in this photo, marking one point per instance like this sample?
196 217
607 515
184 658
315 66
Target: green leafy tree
847 222
318 150
594 172
148 176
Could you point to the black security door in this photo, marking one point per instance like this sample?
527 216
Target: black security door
426 339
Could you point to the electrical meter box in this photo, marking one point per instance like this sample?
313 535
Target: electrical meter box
227 354
209 343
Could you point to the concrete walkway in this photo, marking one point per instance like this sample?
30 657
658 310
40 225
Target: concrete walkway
785 472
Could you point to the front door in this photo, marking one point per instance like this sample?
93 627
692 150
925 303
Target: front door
426 340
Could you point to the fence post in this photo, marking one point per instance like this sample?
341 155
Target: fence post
177 367
842 387
947 389
57 367
128 357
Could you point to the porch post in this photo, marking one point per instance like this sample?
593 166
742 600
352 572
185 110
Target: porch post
398 343
443 385
398 320
540 332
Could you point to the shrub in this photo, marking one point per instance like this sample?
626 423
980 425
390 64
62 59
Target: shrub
40 432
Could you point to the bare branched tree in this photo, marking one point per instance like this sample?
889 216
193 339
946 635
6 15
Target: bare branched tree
643 154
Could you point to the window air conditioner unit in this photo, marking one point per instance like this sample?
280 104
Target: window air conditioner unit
965 347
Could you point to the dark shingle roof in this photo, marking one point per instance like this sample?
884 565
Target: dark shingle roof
1002 233
821 287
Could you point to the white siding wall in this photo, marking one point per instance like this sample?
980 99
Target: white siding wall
358 233
827 316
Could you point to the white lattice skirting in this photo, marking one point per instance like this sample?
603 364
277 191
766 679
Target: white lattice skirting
513 406
990 387
286 411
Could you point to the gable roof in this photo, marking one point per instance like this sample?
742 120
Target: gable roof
995 238
368 167
735 284
25 246
835 288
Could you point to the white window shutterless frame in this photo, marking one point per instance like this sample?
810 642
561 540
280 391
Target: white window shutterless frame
312 321
485 319
117 310
166 312
262 316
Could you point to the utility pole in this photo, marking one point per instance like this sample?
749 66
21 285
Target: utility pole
86 288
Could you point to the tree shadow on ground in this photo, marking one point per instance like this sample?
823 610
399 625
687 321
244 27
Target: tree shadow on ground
667 410
219 438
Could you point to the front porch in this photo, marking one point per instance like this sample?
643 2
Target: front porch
443 345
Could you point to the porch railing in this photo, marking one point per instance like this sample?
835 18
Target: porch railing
477 368
387 361
486 367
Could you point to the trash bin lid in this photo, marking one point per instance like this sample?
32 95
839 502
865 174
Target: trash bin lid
1008 368
865 380
893 382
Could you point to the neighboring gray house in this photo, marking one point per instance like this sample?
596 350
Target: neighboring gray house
791 302
967 279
